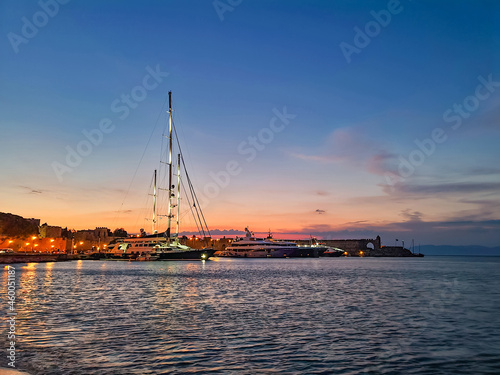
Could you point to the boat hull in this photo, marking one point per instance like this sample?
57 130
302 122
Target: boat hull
275 253
193 254
335 254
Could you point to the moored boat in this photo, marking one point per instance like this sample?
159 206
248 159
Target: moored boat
332 252
252 247
165 246
322 249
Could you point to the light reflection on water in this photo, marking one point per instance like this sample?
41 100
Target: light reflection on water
334 315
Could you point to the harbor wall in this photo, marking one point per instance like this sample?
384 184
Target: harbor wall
353 247
35 258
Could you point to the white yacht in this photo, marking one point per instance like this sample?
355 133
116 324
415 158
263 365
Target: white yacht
322 249
156 247
136 245
251 247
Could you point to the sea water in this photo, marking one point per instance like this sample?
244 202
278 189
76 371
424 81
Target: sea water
432 315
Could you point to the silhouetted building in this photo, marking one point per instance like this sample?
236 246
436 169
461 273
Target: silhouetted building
49 231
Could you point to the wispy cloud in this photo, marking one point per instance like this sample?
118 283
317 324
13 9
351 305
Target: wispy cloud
488 119
318 158
321 193
381 163
447 188
350 145
411 216
445 232
483 171
30 190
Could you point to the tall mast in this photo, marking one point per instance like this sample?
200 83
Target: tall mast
169 161
154 204
178 191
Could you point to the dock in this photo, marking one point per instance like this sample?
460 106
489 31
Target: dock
11 258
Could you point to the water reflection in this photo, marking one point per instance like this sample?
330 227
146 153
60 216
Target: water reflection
251 316
48 277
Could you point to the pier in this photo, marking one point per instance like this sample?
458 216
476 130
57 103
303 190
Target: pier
11 258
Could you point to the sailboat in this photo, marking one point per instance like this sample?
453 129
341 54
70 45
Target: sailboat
166 246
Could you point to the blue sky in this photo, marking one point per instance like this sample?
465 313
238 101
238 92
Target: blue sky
335 168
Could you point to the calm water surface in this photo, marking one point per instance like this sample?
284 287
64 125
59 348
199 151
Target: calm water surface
436 315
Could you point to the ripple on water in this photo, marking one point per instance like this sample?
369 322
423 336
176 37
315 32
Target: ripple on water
294 316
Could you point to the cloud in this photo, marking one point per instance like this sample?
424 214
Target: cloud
411 216
321 193
482 209
447 188
350 145
320 158
483 171
488 119
30 190
381 163
455 231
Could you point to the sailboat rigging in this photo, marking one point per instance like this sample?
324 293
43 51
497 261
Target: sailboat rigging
166 246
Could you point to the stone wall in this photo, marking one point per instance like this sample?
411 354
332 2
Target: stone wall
353 247
391 251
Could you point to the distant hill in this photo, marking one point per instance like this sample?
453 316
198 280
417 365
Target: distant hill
459 250
16 226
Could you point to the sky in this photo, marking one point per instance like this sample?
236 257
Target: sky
336 119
